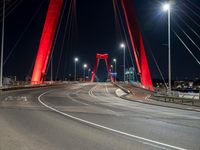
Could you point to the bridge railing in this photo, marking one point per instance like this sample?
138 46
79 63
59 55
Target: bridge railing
25 84
177 97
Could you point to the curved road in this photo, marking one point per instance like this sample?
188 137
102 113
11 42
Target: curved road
90 117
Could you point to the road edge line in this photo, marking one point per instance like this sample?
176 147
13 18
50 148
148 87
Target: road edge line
104 127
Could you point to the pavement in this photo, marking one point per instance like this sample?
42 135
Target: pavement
90 116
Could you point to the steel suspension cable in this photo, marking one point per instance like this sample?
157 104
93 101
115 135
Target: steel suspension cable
126 38
188 26
65 30
159 70
191 10
187 47
190 18
22 34
187 35
193 4
56 36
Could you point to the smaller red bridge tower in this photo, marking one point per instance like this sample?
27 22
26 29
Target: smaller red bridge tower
98 58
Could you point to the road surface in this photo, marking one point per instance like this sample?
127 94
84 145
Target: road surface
90 116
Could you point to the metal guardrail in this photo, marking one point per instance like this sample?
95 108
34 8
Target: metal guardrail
26 86
175 99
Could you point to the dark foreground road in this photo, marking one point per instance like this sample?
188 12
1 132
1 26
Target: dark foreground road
91 117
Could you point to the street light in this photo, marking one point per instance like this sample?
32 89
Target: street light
115 62
75 61
84 67
166 7
111 66
89 70
2 45
124 48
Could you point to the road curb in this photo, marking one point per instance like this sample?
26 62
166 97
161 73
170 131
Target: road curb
143 102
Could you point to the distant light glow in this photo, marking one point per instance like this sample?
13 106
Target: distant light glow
122 45
115 60
75 59
166 7
85 66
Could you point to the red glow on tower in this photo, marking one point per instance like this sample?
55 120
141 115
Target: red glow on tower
137 43
46 41
98 58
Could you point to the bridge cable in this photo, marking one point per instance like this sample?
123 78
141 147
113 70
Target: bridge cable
12 9
56 37
193 4
159 70
73 33
126 38
190 18
187 36
188 26
64 37
190 10
187 48
22 34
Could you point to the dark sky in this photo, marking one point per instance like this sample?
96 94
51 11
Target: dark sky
94 31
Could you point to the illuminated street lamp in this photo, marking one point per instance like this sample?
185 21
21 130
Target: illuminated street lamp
2 44
124 48
115 62
75 61
84 67
167 7
89 70
111 66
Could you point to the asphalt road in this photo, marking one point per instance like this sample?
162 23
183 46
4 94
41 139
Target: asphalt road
90 117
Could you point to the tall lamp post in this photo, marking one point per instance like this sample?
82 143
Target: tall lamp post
166 7
111 66
84 67
75 61
89 70
115 62
124 48
2 45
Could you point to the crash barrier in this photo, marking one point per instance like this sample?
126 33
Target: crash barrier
28 85
176 97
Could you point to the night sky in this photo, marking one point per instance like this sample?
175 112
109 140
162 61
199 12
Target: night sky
93 30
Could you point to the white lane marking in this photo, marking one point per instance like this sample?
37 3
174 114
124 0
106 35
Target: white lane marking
108 93
164 113
150 142
74 100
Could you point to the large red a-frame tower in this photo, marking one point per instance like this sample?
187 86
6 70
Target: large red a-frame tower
137 43
46 41
49 30
98 58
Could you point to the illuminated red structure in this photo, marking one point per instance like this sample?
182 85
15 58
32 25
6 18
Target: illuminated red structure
46 41
137 43
135 36
98 58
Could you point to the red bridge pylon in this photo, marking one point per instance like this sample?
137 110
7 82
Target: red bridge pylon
46 41
98 58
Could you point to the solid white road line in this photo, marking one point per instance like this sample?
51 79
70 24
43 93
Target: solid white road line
138 138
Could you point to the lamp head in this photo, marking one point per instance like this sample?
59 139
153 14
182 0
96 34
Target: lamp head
75 59
122 45
166 7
